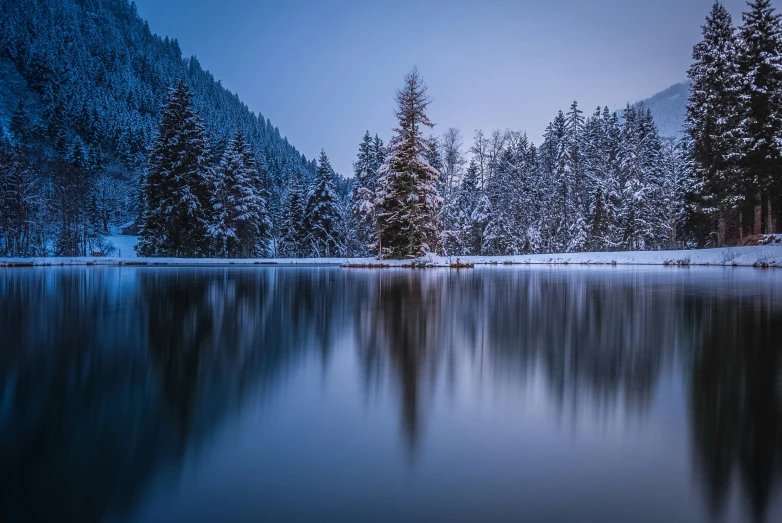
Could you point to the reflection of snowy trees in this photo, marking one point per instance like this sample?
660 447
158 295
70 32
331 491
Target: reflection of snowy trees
736 400
601 343
109 376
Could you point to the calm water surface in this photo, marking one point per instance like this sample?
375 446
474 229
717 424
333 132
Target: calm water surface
323 394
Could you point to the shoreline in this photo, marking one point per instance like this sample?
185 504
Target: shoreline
767 256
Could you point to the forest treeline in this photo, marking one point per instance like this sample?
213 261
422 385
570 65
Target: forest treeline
200 175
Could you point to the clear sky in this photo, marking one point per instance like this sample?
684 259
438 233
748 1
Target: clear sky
325 71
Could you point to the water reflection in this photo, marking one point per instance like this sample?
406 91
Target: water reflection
736 399
111 379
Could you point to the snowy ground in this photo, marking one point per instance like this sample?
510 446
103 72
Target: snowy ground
763 256
123 245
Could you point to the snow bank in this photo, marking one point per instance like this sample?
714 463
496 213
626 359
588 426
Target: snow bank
762 256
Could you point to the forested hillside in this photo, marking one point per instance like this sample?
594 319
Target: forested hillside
669 109
83 82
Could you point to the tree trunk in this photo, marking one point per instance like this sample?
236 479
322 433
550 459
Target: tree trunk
756 229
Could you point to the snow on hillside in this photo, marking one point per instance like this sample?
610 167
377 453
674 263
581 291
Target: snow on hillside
669 108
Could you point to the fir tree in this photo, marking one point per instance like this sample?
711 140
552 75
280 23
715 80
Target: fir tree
362 200
239 226
673 187
407 200
379 154
571 180
552 188
293 234
640 166
323 213
760 63
178 183
460 237
601 167
713 117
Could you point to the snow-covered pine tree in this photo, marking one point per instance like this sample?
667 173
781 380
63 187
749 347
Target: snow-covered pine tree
713 121
293 233
363 195
602 137
760 64
178 183
459 236
239 223
433 155
379 154
572 178
673 186
506 228
322 214
640 164
407 203
551 189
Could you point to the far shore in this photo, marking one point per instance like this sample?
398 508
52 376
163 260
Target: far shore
766 256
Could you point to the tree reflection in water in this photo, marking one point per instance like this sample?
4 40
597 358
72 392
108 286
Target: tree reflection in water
109 377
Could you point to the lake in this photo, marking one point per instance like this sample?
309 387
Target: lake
303 394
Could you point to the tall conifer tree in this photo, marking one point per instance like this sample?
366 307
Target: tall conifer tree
407 200
239 226
760 62
178 184
713 118
323 214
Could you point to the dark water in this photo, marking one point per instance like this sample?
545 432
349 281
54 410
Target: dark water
323 394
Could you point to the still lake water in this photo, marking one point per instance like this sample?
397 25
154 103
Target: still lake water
557 394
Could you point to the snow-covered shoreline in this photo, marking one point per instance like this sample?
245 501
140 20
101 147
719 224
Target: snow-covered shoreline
759 256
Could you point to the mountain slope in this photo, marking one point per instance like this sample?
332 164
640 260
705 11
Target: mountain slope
669 108
90 72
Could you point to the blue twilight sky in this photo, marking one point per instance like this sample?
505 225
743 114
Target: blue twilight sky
325 71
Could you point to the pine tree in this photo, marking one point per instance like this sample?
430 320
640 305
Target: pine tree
239 226
760 63
572 175
713 118
379 154
640 166
323 214
602 176
552 188
362 200
178 183
674 178
407 200
293 234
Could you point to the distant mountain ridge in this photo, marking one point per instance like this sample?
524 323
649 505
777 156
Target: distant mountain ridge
669 109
